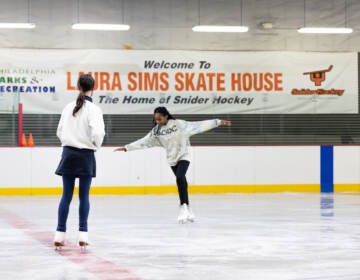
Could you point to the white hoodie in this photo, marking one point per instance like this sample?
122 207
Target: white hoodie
84 131
174 137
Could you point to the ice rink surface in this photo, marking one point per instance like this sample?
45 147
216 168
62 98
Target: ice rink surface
288 236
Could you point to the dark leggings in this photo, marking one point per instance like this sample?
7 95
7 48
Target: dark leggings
84 206
180 170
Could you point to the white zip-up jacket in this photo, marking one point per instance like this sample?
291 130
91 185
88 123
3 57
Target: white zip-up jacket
84 131
174 137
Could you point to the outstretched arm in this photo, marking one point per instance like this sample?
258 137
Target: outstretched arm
193 128
148 141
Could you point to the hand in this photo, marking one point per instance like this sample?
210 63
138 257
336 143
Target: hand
120 149
226 123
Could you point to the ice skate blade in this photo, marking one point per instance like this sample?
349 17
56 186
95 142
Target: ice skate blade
83 245
58 245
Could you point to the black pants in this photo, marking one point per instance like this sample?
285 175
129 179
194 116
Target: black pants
180 170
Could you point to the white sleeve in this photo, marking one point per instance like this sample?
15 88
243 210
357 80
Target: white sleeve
148 141
97 127
59 130
192 128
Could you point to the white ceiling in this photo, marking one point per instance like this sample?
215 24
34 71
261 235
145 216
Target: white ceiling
166 24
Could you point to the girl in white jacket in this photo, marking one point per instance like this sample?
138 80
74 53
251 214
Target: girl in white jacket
173 135
81 132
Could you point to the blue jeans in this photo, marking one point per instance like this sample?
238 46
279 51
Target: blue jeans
84 207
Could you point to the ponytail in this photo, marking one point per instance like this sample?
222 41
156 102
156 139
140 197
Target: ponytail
85 84
79 103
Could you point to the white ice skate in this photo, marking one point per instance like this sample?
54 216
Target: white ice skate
83 239
183 214
191 216
59 240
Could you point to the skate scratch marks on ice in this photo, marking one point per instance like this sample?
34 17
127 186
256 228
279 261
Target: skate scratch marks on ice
102 268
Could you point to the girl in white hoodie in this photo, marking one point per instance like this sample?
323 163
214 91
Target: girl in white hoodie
173 135
81 132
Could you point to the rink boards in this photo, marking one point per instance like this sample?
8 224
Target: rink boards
214 169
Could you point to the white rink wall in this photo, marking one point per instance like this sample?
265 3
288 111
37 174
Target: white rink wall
347 165
220 165
224 165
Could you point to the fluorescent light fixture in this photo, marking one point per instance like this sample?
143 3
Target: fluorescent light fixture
325 30
96 26
16 25
220 28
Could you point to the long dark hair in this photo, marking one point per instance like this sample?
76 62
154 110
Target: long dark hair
163 111
84 84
